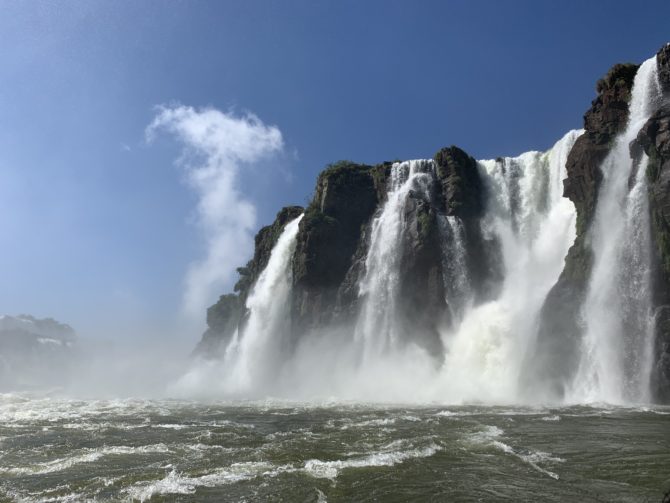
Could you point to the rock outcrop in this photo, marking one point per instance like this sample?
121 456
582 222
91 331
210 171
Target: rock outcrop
463 196
345 198
332 243
334 236
663 62
462 191
560 325
654 138
229 312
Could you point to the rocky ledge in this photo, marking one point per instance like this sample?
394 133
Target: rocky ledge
334 235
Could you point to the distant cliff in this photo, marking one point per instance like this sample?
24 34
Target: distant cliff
33 351
335 233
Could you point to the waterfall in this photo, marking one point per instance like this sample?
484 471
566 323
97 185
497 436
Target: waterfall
377 329
535 226
616 353
456 276
448 306
253 356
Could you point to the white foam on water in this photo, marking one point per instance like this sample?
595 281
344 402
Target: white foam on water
371 422
176 483
532 458
659 412
486 434
451 413
83 456
66 498
28 409
490 436
331 469
172 426
48 494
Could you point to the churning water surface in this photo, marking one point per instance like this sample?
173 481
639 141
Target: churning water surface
57 449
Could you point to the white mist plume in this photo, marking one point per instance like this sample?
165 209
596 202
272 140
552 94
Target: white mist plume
216 145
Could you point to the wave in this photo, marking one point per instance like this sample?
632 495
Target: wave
490 436
176 483
331 469
532 458
85 456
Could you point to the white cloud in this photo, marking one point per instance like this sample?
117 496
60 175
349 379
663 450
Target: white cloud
216 146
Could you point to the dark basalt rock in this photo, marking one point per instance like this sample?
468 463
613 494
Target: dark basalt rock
333 240
423 308
602 122
230 312
347 299
222 320
463 195
663 64
265 240
345 199
461 184
609 111
560 326
332 244
654 138
660 374
346 303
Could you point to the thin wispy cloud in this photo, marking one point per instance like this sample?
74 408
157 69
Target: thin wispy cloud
216 146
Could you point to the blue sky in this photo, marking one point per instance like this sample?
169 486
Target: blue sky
100 227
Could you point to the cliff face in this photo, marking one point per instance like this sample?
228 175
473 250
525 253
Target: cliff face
345 198
555 357
663 60
654 138
335 233
332 243
229 312
463 195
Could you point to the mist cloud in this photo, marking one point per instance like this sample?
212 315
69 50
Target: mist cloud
216 146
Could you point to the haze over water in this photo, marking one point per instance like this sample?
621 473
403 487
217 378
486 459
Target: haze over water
423 370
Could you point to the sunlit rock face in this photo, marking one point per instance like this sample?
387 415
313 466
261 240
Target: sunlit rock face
541 277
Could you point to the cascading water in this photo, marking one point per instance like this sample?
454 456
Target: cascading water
377 328
615 362
486 343
535 227
470 346
252 357
455 269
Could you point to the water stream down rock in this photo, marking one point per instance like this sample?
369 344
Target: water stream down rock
540 278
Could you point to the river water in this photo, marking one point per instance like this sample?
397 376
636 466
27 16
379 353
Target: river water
58 449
